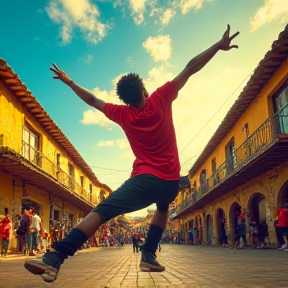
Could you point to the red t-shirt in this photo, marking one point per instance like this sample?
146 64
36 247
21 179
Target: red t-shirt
282 215
151 133
5 228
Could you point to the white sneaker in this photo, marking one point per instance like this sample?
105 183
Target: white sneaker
284 246
286 250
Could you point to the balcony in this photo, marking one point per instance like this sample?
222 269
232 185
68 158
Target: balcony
265 149
34 168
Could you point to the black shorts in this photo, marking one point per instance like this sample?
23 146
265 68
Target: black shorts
137 193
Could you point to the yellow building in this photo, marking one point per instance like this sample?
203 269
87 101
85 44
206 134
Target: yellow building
38 164
245 163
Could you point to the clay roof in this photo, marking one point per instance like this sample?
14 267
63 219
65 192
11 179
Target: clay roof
21 92
264 71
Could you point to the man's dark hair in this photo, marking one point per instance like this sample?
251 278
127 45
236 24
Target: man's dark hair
129 89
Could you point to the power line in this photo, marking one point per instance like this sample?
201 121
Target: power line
213 116
108 169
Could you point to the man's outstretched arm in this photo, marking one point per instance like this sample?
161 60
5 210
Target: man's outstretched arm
84 94
198 62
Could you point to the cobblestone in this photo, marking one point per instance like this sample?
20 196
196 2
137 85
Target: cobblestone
186 267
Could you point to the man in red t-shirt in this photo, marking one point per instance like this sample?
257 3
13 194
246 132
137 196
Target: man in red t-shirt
282 225
148 125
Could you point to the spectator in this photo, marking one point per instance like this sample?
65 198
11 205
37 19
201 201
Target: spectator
23 229
34 230
282 217
5 229
134 243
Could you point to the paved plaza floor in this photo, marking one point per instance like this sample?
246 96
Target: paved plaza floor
186 266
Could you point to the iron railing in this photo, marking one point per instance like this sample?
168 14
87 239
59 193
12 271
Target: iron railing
37 158
255 144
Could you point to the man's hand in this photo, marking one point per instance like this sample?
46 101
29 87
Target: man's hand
61 75
224 43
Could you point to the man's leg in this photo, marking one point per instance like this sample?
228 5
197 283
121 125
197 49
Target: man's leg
30 244
121 201
49 266
156 229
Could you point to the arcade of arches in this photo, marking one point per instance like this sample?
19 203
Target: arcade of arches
256 202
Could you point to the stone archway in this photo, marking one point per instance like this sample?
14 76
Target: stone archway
282 199
257 219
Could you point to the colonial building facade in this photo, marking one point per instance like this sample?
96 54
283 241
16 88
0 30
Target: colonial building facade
38 165
244 166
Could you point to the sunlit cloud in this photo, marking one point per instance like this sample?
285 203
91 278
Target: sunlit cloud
167 16
276 10
186 5
138 9
119 143
122 143
105 143
79 14
159 47
93 116
156 10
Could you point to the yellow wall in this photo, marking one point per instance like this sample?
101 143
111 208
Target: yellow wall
256 114
268 184
12 119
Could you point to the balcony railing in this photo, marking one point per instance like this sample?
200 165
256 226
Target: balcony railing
255 144
40 160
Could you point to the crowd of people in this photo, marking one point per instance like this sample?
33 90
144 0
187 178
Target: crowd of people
32 237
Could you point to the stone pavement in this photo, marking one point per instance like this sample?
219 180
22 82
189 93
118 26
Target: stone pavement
186 266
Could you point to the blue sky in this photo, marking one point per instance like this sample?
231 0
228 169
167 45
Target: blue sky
95 42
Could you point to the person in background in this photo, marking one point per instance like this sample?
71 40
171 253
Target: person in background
242 227
282 216
134 243
23 229
5 229
254 232
33 236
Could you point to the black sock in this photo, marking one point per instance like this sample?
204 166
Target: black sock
70 244
153 238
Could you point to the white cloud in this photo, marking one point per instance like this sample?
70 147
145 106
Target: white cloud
122 143
271 10
159 47
79 14
186 5
167 16
156 9
105 143
95 117
138 9
119 143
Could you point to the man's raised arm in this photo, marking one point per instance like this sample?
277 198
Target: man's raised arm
84 94
198 62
